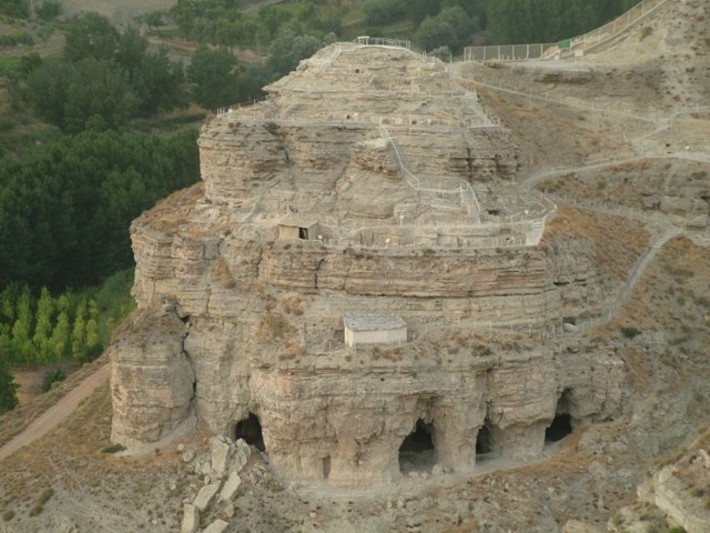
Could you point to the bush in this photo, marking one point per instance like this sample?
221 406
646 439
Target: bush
15 39
383 11
114 448
49 9
52 376
8 399
630 332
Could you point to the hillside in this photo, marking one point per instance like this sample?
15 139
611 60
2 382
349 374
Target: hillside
616 138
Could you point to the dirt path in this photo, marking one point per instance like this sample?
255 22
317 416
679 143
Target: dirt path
58 412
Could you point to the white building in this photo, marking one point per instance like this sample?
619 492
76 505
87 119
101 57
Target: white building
374 329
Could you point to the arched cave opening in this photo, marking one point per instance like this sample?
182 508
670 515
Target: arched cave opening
484 440
416 454
561 427
249 429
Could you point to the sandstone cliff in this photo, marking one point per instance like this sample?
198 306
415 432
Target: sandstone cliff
384 191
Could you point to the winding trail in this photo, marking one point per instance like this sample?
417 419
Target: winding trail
53 416
662 227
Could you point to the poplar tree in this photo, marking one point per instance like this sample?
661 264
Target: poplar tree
78 337
22 328
43 328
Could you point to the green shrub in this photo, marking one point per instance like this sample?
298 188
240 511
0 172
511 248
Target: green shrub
114 448
630 332
52 376
8 515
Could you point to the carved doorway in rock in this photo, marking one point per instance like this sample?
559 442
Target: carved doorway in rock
249 429
561 425
417 453
484 440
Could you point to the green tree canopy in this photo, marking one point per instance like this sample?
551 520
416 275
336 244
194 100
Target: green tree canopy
214 77
90 35
8 398
288 49
65 208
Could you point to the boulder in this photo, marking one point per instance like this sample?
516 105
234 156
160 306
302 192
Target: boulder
204 497
190 519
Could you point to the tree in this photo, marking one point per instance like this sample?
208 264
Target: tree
90 35
23 352
47 90
95 88
288 49
154 20
78 335
433 33
43 327
159 84
214 77
61 337
65 208
14 8
49 9
8 399
383 11
130 51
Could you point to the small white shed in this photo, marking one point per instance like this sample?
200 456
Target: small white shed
293 228
374 329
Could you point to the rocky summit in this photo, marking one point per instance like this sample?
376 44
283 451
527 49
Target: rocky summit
359 286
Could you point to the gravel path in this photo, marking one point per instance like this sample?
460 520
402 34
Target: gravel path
58 412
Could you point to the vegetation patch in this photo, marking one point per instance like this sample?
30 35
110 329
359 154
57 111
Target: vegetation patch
114 448
630 332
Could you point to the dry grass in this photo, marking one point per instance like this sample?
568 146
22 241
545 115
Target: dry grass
17 420
70 461
618 242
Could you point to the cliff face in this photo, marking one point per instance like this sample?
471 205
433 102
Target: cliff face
306 215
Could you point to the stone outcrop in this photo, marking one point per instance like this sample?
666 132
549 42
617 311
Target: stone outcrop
367 183
680 490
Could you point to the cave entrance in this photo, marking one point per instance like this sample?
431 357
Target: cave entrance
416 454
249 429
561 425
484 440
303 233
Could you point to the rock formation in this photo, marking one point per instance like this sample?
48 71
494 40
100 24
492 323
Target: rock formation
368 184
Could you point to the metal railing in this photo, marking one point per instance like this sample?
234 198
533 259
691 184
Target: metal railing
366 40
587 41
507 52
465 191
610 30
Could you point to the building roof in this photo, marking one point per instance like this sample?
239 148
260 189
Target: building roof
301 221
372 322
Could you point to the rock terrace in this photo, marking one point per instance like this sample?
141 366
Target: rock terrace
368 183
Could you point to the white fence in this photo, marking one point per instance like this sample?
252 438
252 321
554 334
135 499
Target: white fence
506 52
521 52
366 40
616 26
465 191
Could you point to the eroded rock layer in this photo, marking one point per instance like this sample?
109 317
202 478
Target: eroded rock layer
384 191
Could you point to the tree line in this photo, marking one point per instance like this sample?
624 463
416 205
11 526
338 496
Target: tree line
38 328
47 329
527 21
450 24
65 208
